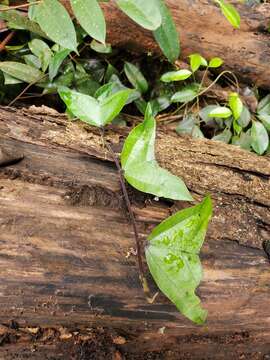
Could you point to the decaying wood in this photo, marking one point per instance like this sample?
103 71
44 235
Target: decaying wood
65 240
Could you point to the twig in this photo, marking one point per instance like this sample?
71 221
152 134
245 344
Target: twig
25 89
133 220
20 6
6 40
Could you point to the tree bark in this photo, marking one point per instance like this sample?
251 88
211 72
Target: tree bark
65 239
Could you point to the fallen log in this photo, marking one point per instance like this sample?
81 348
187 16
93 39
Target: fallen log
66 246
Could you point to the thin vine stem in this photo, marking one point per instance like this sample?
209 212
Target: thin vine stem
142 276
21 6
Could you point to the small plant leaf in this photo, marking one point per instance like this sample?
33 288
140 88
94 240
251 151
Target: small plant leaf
100 47
220 112
173 257
236 105
144 13
135 77
264 105
42 51
230 12
17 21
56 61
24 72
196 60
224 136
215 62
185 95
244 118
179 75
55 21
92 111
91 18
142 171
167 35
111 106
260 138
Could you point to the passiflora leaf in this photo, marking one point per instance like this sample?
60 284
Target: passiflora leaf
92 111
196 60
56 61
21 71
91 18
185 95
17 21
144 13
230 12
173 257
42 51
85 107
135 77
236 105
140 167
244 118
178 75
101 47
55 21
224 136
215 62
111 106
167 35
220 112
260 138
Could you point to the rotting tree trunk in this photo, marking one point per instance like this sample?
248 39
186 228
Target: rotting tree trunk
65 236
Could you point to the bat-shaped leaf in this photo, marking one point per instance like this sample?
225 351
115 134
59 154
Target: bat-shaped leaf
173 257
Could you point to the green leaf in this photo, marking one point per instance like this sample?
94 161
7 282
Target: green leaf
224 136
112 105
42 51
204 112
21 71
135 77
220 112
186 125
264 105
167 35
144 13
56 61
196 60
244 118
140 167
230 12
32 60
55 21
101 48
17 21
215 62
92 111
176 75
185 95
173 257
134 94
10 80
91 18
236 105
260 138
265 119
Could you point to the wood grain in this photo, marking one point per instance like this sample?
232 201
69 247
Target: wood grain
65 237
